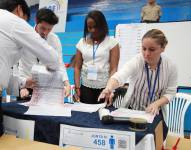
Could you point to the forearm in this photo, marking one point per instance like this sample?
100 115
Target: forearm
112 84
112 71
161 102
77 77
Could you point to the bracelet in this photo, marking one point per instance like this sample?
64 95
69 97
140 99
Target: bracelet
77 87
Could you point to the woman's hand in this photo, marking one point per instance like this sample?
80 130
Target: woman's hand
153 108
106 94
67 88
76 96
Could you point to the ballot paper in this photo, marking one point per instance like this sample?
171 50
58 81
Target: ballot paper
49 110
50 86
123 113
82 107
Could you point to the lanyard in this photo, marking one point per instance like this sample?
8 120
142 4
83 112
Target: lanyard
149 79
95 47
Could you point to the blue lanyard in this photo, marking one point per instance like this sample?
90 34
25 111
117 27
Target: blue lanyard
149 80
95 47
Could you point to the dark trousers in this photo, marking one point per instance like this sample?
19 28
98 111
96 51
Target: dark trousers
89 95
1 118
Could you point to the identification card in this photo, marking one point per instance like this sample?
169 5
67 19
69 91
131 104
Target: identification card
92 72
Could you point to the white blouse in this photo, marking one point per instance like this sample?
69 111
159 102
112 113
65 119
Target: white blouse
137 93
101 61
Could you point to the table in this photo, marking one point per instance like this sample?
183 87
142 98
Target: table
47 128
10 142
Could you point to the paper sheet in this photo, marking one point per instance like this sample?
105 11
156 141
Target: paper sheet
50 110
82 107
129 113
50 88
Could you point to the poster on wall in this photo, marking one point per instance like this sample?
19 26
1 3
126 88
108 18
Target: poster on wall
60 9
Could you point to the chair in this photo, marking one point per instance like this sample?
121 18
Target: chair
175 114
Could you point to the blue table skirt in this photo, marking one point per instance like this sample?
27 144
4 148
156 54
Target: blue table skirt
47 128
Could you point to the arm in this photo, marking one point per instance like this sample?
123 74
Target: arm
119 78
77 70
67 88
107 93
25 36
114 59
54 41
168 94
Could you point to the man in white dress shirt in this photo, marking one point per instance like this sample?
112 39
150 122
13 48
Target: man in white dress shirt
16 33
45 21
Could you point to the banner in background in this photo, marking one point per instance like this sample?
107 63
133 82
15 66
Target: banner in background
60 9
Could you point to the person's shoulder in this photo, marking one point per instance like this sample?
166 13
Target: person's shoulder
11 17
168 61
110 39
53 35
157 6
145 6
81 42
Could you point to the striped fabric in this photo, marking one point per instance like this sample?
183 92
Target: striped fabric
140 98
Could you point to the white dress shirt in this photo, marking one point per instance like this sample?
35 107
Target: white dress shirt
137 93
16 33
28 59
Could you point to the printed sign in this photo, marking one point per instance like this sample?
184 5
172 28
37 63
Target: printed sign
94 138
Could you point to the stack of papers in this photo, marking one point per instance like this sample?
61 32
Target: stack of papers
50 87
49 110
82 107
123 113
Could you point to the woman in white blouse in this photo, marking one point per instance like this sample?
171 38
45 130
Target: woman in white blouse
152 76
97 58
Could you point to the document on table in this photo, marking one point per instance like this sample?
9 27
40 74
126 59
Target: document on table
50 110
82 107
129 113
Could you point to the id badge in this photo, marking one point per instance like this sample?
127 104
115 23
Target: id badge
92 72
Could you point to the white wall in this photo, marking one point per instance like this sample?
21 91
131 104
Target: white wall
178 48
32 2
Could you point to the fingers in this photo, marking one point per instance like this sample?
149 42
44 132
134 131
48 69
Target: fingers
101 96
24 93
152 110
76 98
110 99
67 91
107 95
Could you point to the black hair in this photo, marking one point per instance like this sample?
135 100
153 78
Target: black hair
46 15
100 21
10 6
